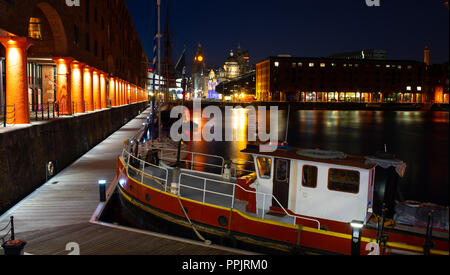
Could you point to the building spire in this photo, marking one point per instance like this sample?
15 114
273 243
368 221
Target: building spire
427 55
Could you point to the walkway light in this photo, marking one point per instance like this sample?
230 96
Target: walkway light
102 186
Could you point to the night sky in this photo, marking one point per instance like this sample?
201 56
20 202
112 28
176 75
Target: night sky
302 28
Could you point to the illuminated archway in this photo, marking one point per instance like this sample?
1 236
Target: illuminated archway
57 28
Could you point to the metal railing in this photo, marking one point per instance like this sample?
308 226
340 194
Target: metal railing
10 232
8 115
238 167
191 163
260 212
137 170
46 111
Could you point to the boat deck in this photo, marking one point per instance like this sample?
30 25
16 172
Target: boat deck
60 212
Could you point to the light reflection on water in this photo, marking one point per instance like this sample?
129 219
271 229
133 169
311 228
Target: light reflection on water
421 139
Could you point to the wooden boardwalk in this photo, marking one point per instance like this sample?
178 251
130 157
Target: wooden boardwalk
60 211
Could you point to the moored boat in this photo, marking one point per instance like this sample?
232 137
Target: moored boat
293 200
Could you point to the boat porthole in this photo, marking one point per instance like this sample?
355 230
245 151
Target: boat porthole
223 221
147 197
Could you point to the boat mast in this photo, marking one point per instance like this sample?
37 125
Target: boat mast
154 76
159 69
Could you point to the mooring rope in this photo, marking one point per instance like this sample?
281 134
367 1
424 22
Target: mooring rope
3 237
9 223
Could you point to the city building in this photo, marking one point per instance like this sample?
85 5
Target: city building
362 54
237 64
343 80
83 58
200 74
241 89
212 85
236 77
439 82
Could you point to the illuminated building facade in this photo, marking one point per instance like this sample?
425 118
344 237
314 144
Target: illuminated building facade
236 77
199 74
439 82
342 80
239 89
83 58
212 84
237 64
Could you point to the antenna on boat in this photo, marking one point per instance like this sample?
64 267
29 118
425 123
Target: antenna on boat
158 4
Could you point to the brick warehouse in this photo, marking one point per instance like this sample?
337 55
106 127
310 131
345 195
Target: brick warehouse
83 58
308 79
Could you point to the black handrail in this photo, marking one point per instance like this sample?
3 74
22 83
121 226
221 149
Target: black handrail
10 232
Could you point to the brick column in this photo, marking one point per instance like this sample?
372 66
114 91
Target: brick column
103 98
96 90
135 92
63 85
77 86
112 91
119 95
117 92
18 109
123 93
129 93
88 89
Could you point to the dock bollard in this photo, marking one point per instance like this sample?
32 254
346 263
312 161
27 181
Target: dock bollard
102 187
14 248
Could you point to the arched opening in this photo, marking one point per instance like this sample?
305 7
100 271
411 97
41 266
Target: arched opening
56 26
48 36
46 29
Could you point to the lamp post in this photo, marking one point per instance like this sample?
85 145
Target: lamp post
102 187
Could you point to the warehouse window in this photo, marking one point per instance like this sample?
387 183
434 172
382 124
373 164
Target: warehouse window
34 29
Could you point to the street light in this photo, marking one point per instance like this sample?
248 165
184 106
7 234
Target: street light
102 186
357 227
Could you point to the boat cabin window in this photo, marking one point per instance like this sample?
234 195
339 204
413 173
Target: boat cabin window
343 181
282 168
264 167
309 178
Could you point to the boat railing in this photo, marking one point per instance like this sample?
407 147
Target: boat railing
267 198
216 164
137 167
216 161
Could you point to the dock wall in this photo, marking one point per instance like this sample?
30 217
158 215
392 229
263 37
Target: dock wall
24 152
